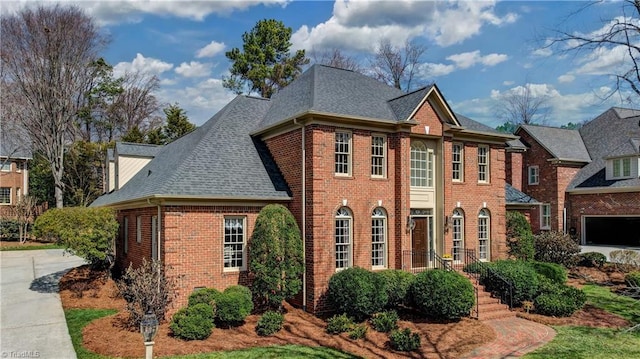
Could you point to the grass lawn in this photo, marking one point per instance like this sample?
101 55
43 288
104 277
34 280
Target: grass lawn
19 247
593 343
79 318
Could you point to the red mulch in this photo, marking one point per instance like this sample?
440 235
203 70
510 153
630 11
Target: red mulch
82 288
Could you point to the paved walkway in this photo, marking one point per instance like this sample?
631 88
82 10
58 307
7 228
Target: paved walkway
515 337
32 323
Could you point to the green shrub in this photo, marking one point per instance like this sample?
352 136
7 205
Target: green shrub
592 259
633 277
204 295
233 305
404 340
276 256
546 285
86 232
397 284
556 247
146 289
357 292
385 322
553 271
339 324
519 236
442 294
193 322
9 229
625 258
358 331
269 323
521 275
562 303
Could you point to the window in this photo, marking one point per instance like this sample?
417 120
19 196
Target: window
457 154
483 164
534 175
20 166
483 235
545 216
139 229
5 166
234 247
343 238
378 156
126 235
343 153
422 166
622 167
5 195
458 234
378 238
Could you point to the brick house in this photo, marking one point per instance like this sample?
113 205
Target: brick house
587 180
375 177
14 174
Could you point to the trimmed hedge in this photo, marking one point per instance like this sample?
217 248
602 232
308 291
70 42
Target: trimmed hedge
398 284
204 295
193 322
522 275
357 292
442 294
553 271
233 305
561 303
269 323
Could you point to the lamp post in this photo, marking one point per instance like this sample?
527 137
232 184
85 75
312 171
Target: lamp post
149 328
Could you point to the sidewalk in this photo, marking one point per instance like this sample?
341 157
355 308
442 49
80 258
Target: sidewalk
515 337
32 322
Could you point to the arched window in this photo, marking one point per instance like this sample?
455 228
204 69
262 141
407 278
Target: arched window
343 238
458 234
379 238
484 230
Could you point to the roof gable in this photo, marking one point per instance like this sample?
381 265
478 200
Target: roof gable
136 149
562 144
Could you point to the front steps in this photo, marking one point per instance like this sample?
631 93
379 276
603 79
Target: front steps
490 307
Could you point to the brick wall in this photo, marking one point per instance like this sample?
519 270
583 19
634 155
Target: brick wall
603 204
14 180
513 169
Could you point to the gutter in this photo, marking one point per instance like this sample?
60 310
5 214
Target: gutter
304 213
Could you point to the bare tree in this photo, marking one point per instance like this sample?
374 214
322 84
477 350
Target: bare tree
137 105
397 66
620 35
521 106
336 58
45 57
24 211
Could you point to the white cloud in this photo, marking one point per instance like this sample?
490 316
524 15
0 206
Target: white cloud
431 70
603 61
211 50
564 79
358 25
194 69
542 52
142 64
508 83
460 61
200 99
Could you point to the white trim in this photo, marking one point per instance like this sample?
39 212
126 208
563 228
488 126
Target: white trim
348 153
596 190
384 155
542 216
349 246
487 164
385 242
535 169
243 267
461 162
10 197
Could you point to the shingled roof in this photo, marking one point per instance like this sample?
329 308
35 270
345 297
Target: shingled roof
614 133
219 160
562 144
137 149
515 196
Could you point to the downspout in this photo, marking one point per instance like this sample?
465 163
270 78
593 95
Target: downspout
304 214
158 231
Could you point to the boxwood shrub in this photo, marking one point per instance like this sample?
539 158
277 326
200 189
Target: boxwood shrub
357 292
204 295
442 294
397 284
233 305
553 271
385 322
522 275
358 332
404 340
561 303
269 323
592 259
339 324
193 322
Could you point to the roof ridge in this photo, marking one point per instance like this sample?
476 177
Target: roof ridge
409 93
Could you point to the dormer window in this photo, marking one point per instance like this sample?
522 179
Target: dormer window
621 168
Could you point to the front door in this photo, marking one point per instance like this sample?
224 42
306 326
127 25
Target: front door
419 243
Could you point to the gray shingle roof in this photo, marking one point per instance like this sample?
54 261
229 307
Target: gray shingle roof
330 90
515 196
562 144
137 149
404 106
14 141
516 144
613 133
218 160
477 126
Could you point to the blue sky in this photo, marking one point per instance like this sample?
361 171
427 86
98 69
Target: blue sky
476 51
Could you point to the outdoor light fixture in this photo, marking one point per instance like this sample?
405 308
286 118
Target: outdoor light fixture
411 224
149 329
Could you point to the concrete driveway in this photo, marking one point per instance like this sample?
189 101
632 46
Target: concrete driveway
32 323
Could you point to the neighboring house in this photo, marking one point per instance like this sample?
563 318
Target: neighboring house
586 179
125 161
375 177
14 173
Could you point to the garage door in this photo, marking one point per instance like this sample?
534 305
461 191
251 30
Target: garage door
612 230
